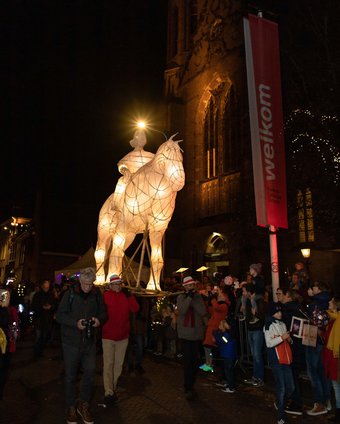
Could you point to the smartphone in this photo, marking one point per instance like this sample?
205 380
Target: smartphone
4 297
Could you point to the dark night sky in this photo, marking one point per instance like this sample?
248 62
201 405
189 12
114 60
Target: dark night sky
75 74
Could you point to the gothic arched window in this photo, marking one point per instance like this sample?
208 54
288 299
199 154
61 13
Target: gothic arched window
211 139
231 138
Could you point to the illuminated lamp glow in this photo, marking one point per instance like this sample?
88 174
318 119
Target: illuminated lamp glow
305 253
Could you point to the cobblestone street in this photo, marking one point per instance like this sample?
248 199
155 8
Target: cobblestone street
34 395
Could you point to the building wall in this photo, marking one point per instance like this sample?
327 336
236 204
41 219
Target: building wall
208 65
206 61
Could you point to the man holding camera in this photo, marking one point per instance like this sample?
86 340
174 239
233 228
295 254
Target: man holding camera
80 312
119 303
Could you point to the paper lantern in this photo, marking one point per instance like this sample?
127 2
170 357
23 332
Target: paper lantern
143 201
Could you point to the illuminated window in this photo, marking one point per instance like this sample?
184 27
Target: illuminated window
305 216
211 139
231 139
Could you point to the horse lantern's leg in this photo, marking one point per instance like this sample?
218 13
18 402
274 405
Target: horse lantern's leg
106 224
121 241
156 259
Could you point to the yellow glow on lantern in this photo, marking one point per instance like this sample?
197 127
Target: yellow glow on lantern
120 188
118 240
141 124
100 255
100 279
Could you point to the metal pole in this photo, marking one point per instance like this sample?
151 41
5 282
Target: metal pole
274 260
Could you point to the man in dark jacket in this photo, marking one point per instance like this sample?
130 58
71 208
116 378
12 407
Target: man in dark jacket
190 329
80 312
44 306
320 296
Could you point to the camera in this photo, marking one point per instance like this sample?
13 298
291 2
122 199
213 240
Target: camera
89 329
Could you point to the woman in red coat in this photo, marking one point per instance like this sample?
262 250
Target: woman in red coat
331 359
218 307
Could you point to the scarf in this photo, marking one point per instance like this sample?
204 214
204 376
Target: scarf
333 343
189 318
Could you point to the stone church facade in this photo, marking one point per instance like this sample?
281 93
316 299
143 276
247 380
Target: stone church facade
205 81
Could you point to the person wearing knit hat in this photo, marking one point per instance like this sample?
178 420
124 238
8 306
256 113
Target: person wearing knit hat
256 267
188 280
280 357
273 308
115 279
190 328
120 304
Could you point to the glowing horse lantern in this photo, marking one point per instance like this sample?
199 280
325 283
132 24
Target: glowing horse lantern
144 200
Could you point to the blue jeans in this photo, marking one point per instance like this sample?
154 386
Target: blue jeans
229 372
316 374
256 340
284 386
85 355
336 387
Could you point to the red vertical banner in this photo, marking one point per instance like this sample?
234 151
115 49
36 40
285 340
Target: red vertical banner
266 122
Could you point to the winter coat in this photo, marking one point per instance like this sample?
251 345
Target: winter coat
226 344
76 305
43 318
191 312
119 306
330 363
278 350
260 314
219 311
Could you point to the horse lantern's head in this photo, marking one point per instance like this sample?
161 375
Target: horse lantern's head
169 160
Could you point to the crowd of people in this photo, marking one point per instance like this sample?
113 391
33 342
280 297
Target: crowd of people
197 321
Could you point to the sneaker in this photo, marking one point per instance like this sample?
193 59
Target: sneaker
258 382
72 417
110 399
282 421
249 380
241 317
254 320
179 355
294 410
227 390
83 411
318 409
329 405
206 368
221 384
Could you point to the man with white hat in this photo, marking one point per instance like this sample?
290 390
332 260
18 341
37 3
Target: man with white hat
115 336
190 328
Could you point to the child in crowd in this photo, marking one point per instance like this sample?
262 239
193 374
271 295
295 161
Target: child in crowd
170 332
218 306
226 344
280 357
